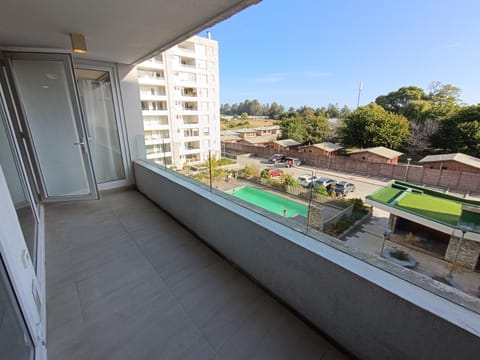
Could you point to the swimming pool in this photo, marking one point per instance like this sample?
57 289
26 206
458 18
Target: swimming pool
271 202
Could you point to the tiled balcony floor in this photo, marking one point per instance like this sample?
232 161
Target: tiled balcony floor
125 281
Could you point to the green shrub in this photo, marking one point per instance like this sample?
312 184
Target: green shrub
321 190
339 227
358 205
265 174
399 255
288 180
225 161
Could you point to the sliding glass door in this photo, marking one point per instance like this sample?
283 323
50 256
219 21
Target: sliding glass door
98 105
50 120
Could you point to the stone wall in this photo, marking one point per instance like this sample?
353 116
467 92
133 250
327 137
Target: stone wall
315 217
467 255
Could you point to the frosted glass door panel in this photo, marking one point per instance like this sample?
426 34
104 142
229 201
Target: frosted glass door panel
97 101
24 208
55 129
15 341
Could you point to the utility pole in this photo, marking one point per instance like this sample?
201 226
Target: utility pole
360 88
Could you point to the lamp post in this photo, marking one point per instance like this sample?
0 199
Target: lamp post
406 170
464 230
386 233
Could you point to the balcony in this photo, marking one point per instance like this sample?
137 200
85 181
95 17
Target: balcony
127 281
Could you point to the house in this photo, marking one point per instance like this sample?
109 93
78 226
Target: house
229 136
284 145
247 133
377 154
261 141
268 130
445 224
455 162
322 149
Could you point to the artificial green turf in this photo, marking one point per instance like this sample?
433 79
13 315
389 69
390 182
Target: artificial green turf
442 210
386 194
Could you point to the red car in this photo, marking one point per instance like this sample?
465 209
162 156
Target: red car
275 171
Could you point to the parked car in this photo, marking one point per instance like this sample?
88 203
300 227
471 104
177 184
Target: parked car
291 161
276 158
306 180
327 182
343 188
275 171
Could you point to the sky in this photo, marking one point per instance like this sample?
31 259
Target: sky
316 52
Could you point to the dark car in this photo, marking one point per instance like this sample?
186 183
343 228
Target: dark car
343 188
327 182
276 158
291 161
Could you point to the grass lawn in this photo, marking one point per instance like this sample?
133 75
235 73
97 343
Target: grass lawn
438 209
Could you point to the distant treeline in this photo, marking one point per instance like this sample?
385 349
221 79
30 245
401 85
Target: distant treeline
276 111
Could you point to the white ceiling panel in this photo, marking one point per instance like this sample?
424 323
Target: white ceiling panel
123 31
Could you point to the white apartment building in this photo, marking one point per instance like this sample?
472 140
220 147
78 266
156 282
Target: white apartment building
180 103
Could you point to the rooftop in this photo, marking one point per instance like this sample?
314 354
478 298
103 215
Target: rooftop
261 139
458 157
442 208
327 146
380 151
126 281
287 142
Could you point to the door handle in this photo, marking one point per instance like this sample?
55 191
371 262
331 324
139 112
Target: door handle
79 143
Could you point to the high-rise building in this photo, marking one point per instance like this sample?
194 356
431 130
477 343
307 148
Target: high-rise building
180 103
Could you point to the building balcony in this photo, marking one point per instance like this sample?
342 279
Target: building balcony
126 281
156 141
149 96
151 81
158 155
156 126
149 64
154 112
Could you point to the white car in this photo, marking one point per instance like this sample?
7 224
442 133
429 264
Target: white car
306 180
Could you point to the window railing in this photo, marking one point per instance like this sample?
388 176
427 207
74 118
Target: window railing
304 199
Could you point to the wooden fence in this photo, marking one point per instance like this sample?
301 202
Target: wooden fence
445 179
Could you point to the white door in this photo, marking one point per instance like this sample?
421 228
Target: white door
45 95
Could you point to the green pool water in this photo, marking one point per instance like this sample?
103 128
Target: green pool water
273 203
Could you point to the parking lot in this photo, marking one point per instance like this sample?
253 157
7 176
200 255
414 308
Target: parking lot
363 186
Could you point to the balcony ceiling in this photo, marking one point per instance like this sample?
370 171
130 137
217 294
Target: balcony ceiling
122 31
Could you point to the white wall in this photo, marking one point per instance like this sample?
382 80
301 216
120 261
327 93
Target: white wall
130 102
371 313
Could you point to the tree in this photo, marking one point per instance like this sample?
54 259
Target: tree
317 128
459 132
397 101
333 112
345 112
372 125
275 111
294 128
304 126
421 133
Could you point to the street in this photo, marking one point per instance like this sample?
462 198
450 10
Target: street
363 186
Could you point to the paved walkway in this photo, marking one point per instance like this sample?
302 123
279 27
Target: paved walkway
369 240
